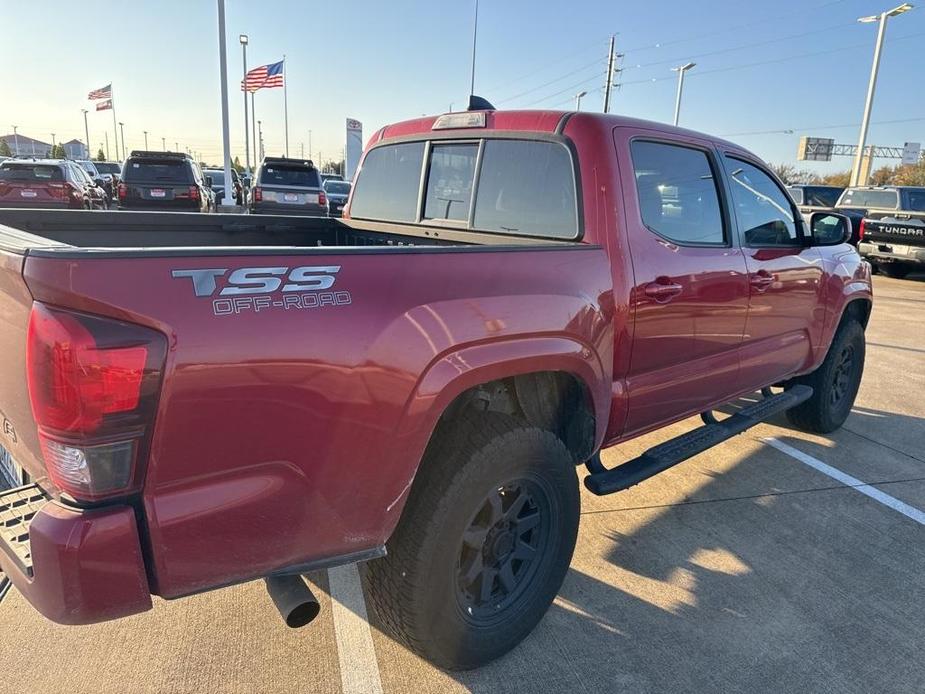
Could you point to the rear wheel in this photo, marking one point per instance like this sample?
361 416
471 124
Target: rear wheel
835 383
895 270
483 544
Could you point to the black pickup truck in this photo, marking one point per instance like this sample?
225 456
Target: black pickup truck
892 228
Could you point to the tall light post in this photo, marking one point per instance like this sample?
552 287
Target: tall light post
310 144
163 145
228 200
247 145
856 174
86 134
578 100
260 138
146 138
677 102
122 133
16 138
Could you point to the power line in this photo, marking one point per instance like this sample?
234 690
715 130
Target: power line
546 84
806 128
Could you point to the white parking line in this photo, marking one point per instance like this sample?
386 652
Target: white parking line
853 482
359 670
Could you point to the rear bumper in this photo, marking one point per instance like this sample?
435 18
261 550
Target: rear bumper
914 255
289 209
74 566
169 206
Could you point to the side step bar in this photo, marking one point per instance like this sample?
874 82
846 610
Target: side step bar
602 481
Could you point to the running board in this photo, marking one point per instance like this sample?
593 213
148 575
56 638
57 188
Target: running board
602 481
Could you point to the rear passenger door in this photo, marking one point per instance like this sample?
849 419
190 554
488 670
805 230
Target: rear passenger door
690 295
785 314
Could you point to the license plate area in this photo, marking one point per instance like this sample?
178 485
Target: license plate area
27 193
11 473
158 193
291 197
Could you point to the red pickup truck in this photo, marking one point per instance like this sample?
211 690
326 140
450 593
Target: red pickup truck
194 401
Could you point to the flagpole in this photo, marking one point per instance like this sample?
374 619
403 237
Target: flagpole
286 103
115 127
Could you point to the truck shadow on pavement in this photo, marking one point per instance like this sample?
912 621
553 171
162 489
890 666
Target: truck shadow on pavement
753 574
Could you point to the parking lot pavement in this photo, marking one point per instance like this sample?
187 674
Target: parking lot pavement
748 568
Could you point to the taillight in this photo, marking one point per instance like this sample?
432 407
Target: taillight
194 192
59 190
258 195
322 198
861 230
123 191
93 386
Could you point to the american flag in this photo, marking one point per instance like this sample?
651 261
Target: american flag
104 93
104 105
265 76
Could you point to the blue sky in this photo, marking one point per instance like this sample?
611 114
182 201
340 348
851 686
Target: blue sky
789 65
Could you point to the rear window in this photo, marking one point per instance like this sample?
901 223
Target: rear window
524 187
168 170
885 199
276 175
823 197
30 172
388 184
107 167
337 187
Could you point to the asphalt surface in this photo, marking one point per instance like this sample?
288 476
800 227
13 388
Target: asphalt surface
744 569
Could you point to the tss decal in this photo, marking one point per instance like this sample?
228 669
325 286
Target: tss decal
249 289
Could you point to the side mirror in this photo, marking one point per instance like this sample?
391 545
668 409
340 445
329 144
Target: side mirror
829 228
209 181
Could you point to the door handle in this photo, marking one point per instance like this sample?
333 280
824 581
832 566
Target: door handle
762 280
663 292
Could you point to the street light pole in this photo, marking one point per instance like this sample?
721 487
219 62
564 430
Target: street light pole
86 134
163 145
260 138
578 100
16 136
856 175
247 145
146 138
677 102
121 132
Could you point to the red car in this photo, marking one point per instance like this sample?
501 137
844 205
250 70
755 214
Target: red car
199 401
48 183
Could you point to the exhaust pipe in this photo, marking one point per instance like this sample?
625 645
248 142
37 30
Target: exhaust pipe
294 600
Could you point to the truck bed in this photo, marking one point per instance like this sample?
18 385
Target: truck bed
145 230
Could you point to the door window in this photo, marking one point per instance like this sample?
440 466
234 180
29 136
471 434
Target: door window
763 210
678 198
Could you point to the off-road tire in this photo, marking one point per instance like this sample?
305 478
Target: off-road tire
417 589
835 383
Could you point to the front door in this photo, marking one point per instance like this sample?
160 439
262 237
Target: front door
690 297
786 312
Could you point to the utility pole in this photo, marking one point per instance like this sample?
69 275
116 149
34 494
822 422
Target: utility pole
856 176
242 39
163 145
146 138
677 102
608 83
122 132
86 134
176 146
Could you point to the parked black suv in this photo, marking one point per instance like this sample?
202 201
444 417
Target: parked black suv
288 186
164 181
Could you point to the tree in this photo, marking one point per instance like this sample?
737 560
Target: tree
790 174
100 155
840 179
236 164
910 174
5 150
57 152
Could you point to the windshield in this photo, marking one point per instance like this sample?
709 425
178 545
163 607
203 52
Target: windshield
172 170
884 199
87 166
30 172
337 187
273 175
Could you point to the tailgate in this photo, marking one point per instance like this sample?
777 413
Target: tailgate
18 435
905 232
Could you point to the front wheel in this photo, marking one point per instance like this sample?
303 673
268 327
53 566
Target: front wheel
483 544
835 383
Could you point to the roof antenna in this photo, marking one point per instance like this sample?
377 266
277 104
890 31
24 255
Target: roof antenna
477 103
